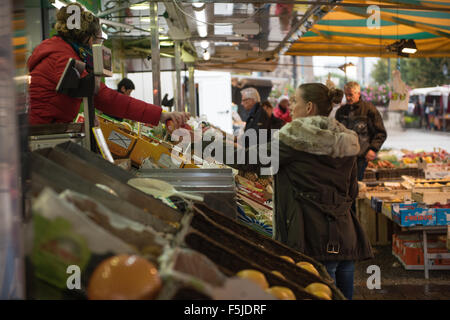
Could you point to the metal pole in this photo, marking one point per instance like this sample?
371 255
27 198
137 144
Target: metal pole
192 106
425 254
178 91
389 69
294 70
154 38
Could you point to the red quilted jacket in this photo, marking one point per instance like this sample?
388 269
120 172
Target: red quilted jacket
46 65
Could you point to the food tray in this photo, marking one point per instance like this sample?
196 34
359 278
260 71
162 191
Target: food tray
257 239
98 173
252 252
230 262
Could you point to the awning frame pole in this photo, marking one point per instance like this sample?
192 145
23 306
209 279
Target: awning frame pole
154 38
192 98
178 92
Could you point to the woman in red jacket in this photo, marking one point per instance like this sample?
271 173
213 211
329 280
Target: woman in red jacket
47 64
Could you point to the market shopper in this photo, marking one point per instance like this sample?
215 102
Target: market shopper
259 116
362 117
316 184
272 121
47 63
126 87
282 110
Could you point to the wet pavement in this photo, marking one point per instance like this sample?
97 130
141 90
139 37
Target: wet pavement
398 283
404 292
413 139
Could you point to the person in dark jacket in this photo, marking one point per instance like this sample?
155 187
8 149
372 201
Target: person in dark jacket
48 61
362 117
258 118
316 184
126 87
272 122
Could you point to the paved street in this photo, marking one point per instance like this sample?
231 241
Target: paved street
413 139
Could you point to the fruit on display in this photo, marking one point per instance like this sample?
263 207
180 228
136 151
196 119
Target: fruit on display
440 206
322 295
287 258
281 293
279 274
320 290
380 164
124 277
308 267
429 157
254 275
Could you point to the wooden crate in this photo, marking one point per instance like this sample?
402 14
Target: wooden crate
119 140
431 197
376 225
260 240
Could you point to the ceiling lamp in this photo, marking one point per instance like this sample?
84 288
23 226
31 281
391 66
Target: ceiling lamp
206 55
403 47
198 5
58 4
204 44
409 47
200 16
140 6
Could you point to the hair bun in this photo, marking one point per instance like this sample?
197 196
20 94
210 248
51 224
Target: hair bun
335 95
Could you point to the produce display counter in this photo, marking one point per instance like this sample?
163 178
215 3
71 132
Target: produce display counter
85 212
411 206
427 257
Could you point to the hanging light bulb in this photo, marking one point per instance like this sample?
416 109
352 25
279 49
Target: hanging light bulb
206 55
198 4
140 6
204 44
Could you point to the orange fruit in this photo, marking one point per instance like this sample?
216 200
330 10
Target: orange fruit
256 276
322 295
288 259
317 287
124 277
281 293
278 273
308 267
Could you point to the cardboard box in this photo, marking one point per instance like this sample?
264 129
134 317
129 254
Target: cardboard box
119 141
442 216
159 154
408 215
431 197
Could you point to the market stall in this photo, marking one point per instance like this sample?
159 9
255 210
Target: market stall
132 207
396 201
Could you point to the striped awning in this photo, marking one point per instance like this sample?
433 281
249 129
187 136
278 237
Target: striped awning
348 31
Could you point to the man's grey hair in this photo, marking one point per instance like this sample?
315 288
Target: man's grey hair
352 85
250 93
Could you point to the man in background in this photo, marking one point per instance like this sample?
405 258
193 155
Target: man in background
125 86
363 118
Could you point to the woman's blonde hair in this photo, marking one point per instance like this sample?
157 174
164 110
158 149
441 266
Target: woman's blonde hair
89 25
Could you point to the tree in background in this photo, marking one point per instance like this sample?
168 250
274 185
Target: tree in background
416 72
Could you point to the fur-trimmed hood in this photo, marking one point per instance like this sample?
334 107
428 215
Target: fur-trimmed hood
321 136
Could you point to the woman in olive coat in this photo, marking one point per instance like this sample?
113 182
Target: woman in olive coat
316 184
